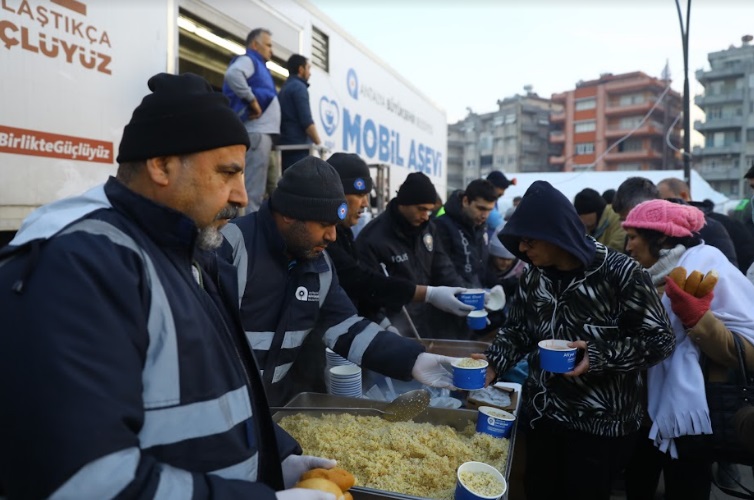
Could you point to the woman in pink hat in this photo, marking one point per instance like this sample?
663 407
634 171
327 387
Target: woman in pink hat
661 236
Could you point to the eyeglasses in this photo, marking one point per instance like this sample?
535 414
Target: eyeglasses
528 242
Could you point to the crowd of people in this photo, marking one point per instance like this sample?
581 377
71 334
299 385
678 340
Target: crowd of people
152 325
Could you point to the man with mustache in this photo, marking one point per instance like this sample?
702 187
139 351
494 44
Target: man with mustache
124 365
288 286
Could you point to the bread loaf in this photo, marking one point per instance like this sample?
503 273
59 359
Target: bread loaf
692 282
679 276
344 479
707 284
321 484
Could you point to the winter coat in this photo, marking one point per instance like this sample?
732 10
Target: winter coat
465 244
414 254
124 365
609 303
283 300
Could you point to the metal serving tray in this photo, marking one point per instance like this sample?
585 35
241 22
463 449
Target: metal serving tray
457 419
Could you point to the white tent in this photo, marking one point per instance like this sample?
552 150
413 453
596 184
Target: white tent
570 183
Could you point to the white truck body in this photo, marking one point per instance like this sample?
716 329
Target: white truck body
74 70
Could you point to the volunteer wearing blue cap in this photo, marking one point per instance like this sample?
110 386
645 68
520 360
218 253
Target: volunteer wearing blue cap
288 287
124 366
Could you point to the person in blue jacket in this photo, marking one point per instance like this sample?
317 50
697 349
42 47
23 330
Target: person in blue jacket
296 123
124 365
288 286
250 88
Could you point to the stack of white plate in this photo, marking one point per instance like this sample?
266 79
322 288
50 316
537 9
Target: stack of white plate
345 380
332 359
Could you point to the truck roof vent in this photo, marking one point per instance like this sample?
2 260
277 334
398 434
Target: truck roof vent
320 49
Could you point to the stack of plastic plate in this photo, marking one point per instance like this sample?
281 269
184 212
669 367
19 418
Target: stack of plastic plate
345 380
333 359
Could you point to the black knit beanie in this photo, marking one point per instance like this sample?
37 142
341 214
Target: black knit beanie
499 180
589 201
182 115
416 190
310 189
353 172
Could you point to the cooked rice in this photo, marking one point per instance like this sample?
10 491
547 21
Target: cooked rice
471 363
482 483
403 457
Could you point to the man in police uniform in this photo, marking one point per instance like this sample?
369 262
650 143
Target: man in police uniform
402 241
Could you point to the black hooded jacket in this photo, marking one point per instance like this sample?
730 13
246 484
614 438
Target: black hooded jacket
609 302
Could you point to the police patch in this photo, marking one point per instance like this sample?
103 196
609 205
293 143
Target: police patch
360 184
342 211
429 243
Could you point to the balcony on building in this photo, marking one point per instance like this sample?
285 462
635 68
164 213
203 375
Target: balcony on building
727 149
557 136
735 69
719 123
530 127
556 160
719 173
703 100
613 108
635 155
558 117
648 128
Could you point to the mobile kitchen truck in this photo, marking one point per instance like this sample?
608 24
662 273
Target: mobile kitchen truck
74 70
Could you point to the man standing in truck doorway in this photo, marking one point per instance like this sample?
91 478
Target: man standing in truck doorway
251 90
296 125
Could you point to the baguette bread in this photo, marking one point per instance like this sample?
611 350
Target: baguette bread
679 276
707 284
692 282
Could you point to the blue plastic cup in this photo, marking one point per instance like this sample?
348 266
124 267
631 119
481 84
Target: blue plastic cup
555 356
473 297
495 422
477 320
465 479
469 377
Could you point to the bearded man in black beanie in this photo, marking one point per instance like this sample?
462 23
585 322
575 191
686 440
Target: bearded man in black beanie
125 369
289 288
402 242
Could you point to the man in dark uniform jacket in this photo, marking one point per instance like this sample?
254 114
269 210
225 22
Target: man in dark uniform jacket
403 241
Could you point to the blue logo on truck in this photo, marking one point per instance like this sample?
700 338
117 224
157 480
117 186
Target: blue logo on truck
352 83
329 114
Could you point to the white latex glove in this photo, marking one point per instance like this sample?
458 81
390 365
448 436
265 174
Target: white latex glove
444 298
494 300
304 494
295 465
429 370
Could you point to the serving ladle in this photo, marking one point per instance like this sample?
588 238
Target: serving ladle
404 407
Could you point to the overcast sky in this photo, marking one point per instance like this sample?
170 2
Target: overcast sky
470 53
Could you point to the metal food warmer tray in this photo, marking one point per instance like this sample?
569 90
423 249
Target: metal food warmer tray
457 419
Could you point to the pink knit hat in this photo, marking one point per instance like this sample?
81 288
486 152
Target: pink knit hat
671 219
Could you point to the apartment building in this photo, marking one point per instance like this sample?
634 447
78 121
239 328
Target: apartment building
630 121
728 127
514 138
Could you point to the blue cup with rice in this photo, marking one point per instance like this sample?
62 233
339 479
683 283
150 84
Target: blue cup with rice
479 481
469 374
495 422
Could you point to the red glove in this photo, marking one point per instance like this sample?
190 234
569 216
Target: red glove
688 308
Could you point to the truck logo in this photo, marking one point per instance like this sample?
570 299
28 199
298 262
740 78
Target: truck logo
329 114
352 83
